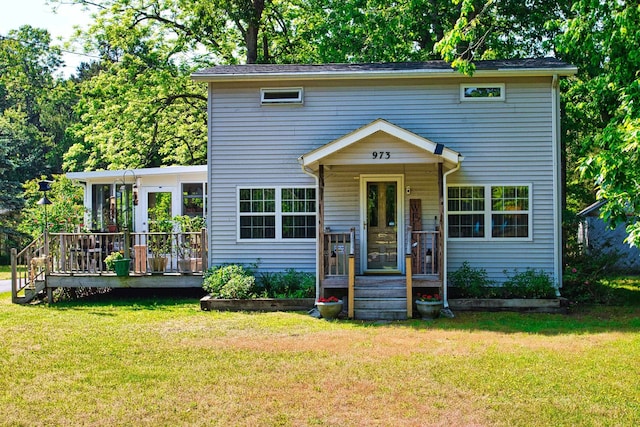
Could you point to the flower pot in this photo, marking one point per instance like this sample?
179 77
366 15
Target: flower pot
184 265
329 310
158 264
429 309
121 266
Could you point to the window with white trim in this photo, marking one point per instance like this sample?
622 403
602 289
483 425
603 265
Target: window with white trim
277 213
505 207
482 92
281 96
466 211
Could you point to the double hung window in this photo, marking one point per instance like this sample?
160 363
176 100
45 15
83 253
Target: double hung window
489 212
277 213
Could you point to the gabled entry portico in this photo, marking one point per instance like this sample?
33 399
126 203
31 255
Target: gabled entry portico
380 198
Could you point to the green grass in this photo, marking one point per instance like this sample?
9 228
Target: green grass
162 361
5 272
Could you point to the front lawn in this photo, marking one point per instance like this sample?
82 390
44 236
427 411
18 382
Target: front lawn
163 361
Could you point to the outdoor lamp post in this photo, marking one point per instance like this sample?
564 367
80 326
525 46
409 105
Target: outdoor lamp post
45 186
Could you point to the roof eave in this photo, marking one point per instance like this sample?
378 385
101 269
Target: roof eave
351 75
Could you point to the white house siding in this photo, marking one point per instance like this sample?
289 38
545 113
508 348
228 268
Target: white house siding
342 197
505 142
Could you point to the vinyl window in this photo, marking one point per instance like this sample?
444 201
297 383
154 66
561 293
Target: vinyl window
277 213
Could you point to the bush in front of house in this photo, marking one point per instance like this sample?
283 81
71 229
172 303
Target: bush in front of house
583 273
472 282
287 284
230 282
528 284
235 281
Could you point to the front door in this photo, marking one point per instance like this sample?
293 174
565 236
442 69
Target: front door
382 223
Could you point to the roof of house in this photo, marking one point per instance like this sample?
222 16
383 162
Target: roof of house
531 66
592 208
123 174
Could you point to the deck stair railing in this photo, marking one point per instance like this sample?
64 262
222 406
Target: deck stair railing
28 271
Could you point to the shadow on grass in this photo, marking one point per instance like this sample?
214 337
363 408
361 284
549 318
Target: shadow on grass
139 298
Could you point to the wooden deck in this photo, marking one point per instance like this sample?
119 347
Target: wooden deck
79 260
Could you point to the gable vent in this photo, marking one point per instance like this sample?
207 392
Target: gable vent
281 96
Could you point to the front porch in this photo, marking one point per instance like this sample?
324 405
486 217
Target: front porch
79 260
379 296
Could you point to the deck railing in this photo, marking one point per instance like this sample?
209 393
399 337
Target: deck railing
336 250
85 253
424 252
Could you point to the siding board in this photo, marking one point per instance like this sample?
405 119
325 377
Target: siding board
502 142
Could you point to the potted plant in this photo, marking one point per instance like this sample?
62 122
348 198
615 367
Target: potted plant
329 308
187 242
429 305
115 261
159 244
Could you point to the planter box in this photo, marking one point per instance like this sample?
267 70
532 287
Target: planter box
553 305
261 304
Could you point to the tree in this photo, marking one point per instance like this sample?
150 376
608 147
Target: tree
492 29
64 215
30 125
604 42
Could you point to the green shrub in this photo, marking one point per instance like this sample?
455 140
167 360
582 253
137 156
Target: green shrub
528 284
287 284
472 282
230 281
583 273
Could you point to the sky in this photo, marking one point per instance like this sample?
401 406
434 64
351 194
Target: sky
15 13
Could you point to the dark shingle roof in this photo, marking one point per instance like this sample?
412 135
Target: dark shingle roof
256 70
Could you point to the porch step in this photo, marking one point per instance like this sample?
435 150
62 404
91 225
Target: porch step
380 315
380 298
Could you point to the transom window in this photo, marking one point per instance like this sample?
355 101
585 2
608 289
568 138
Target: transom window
482 92
505 207
277 213
281 96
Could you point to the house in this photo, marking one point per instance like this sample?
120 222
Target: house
118 199
595 235
405 170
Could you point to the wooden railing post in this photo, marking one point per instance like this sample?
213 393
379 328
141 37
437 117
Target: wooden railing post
352 282
409 286
14 275
204 249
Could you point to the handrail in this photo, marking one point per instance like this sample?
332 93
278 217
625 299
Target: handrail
424 252
338 246
27 266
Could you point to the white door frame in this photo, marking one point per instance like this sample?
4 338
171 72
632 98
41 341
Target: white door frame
142 220
400 220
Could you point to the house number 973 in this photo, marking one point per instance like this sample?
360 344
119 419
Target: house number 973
382 155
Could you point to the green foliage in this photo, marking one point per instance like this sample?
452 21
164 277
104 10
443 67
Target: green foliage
230 282
64 214
528 284
471 282
110 260
603 104
287 284
583 273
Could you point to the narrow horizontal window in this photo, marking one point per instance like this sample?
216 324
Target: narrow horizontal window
281 96
482 92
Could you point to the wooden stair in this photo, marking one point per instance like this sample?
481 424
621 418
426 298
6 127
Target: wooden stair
380 298
32 291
